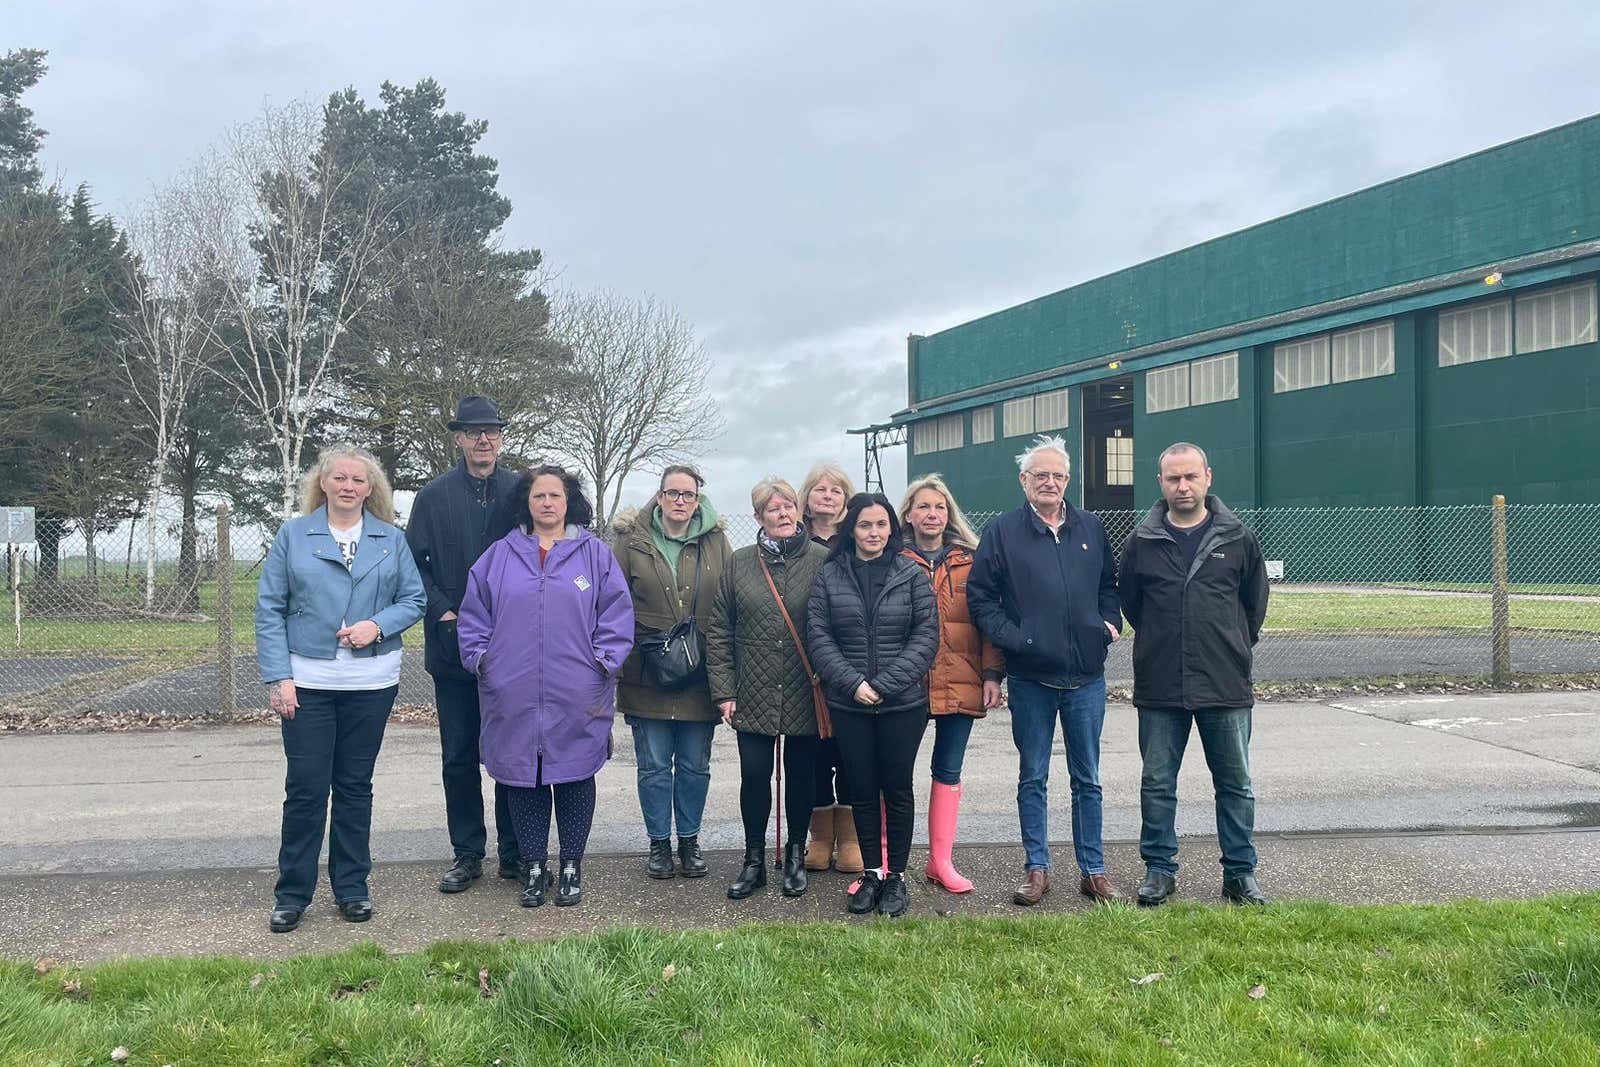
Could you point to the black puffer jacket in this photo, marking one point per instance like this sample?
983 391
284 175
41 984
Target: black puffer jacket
890 647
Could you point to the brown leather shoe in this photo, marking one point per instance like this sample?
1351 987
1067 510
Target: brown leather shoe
1033 888
1098 888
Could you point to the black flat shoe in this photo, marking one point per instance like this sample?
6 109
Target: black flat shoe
865 898
462 874
285 919
535 881
1155 889
794 869
752 876
660 866
895 897
690 858
569 887
355 911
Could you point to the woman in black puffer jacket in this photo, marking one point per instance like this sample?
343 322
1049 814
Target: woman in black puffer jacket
872 630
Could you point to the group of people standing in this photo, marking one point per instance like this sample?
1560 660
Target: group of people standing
827 647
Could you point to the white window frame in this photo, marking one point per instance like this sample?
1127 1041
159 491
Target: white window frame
1214 379
1571 313
1475 332
1016 416
942 434
1052 411
1366 351
1166 388
1300 364
1119 460
983 424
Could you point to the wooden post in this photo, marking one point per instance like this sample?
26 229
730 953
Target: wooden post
226 701
1499 598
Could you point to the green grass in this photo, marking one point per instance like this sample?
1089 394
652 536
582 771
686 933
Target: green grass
1379 612
1474 983
1514 587
129 636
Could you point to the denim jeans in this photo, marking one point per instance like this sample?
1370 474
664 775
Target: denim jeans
1034 709
950 733
1225 737
674 761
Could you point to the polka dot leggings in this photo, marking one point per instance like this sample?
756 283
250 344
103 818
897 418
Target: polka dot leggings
530 816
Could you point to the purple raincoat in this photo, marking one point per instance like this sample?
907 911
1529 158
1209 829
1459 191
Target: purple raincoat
546 644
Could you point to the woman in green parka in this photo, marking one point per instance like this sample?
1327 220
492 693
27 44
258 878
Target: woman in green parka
672 553
760 681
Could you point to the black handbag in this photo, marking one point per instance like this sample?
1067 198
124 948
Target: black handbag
676 659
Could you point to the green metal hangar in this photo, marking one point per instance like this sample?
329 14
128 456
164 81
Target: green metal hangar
1430 340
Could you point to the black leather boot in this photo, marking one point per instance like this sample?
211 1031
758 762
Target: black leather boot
752 876
794 869
1242 889
1155 889
659 865
535 881
569 887
689 857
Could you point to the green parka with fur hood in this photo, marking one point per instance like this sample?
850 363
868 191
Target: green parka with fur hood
661 599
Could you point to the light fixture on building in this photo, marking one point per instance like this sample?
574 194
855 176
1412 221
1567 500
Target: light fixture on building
1492 279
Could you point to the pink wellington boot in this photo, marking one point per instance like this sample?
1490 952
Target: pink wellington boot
944 801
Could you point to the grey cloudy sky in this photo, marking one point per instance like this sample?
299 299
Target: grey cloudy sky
808 185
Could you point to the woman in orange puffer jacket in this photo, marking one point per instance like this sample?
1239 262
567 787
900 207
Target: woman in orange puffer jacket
965 681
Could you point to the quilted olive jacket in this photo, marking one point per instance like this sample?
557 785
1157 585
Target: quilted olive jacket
750 657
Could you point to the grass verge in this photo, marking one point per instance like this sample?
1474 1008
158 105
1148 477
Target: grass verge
1491 983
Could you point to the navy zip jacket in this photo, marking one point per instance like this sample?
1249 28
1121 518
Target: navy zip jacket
1045 598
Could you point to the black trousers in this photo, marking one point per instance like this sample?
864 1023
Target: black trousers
756 761
879 751
459 722
831 786
332 747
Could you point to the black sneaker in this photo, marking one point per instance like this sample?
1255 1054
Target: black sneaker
895 897
462 874
660 865
865 898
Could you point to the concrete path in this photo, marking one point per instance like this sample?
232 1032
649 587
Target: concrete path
165 842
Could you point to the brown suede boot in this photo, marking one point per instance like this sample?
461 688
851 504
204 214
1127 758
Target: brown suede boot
819 853
847 851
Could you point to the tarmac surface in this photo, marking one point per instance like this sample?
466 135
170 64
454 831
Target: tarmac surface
165 842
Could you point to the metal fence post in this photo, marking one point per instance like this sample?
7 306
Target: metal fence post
1499 597
226 703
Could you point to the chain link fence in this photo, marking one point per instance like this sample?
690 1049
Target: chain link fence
1358 593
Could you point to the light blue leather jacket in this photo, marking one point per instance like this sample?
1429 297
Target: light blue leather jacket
306 595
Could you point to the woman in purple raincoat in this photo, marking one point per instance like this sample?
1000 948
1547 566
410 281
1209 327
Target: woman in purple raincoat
545 625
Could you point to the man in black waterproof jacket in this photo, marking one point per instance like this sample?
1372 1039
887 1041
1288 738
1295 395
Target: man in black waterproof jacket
1195 589
453 520
1043 588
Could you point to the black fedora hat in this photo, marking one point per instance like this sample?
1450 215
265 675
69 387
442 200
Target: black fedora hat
476 411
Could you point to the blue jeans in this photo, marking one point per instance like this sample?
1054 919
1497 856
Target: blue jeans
1034 709
674 760
950 733
1225 737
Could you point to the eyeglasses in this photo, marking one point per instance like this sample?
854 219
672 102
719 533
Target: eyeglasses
1048 476
681 495
481 433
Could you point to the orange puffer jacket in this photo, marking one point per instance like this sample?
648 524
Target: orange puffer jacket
955 685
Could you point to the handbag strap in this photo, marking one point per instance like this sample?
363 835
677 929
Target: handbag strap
824 722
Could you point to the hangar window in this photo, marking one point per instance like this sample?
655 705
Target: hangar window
1366 352
1119 461
1016 416
1300 364
1214 379
936 435
1474 333
1166 388
982 425
1050 411
1556 318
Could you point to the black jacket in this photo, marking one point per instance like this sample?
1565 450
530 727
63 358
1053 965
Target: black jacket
890 647
1045 598
447 531
1193 626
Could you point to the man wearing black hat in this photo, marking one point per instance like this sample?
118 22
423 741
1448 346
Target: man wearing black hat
454 519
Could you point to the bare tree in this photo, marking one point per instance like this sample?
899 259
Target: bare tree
295 239
641 399
172 316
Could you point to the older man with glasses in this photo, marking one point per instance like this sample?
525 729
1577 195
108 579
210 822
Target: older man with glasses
1044 589
453 520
